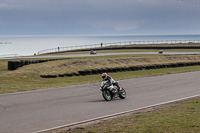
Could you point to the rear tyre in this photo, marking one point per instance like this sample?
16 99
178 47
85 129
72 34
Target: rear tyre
107 95
122 94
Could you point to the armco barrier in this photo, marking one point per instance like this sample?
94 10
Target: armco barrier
124 45
120 69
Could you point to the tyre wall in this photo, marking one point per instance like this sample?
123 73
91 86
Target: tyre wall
123 69
13 65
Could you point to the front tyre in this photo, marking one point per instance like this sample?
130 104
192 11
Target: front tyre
107 95
122 94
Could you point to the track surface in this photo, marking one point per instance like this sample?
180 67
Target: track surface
98 54
38 110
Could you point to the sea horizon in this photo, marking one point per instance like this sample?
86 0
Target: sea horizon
31 44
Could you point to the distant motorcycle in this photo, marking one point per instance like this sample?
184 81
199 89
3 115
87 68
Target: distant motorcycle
110 91
93 52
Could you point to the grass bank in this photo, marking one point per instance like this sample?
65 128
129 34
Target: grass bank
181 117
84 63
28 77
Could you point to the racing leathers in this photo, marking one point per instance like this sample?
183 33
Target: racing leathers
112 81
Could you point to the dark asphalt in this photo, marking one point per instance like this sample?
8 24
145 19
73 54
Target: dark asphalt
38 110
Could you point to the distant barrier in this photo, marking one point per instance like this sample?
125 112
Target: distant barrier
60 49
123 69
10 55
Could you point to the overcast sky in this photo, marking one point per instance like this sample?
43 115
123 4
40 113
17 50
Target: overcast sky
82 17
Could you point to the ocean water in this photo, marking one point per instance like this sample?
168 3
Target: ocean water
30 44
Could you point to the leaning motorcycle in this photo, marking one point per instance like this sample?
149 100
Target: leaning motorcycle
110 91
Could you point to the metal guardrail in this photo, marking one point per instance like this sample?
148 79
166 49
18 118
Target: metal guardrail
10 55
60 49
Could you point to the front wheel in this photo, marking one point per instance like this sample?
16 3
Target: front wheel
122 94
107 95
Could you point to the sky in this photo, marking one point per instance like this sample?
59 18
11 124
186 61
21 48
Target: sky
96 17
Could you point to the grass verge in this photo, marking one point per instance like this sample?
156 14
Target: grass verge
28 77
181 117
32 81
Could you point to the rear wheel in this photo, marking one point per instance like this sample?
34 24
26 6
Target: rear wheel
107 95
122 94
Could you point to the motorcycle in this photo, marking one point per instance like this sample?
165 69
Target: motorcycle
110 91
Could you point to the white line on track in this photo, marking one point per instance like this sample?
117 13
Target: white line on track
120 113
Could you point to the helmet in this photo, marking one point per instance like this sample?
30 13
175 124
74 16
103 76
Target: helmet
104 75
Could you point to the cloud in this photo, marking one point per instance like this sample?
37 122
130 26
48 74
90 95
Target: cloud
126 25
71 16
118 25
4 6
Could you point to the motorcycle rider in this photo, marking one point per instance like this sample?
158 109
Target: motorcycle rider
108 78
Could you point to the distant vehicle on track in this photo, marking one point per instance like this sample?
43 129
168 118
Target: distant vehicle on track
161 51
93 52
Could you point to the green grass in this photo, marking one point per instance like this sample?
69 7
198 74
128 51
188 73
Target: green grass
28 77
176 118
93 62
32 81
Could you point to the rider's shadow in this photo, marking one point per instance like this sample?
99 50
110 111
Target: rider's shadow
97 101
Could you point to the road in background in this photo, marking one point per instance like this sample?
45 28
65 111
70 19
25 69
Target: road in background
98 54
33 111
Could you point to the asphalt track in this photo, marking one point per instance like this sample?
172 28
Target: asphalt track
98 54
34 111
